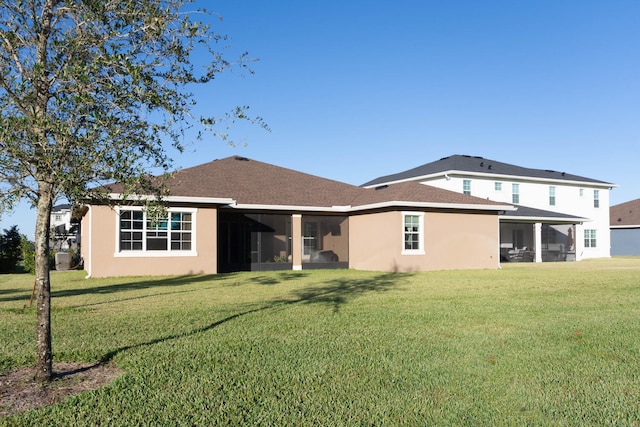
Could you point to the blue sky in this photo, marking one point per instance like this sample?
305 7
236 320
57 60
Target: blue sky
353 90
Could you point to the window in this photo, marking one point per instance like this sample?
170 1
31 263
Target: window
413 224
589 238
596 198
58 217
552 196
515 193
466 186
582 192
498 186
172 233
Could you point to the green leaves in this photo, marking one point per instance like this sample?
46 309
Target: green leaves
94 91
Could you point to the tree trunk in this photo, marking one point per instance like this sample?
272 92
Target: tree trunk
44 369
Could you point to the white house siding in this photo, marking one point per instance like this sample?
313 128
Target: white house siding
536 194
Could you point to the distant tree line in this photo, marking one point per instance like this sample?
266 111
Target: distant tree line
17 253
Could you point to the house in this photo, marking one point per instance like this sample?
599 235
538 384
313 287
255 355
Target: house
64 228
238 214
625 228
560 216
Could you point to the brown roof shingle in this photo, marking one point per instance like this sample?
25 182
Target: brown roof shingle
252 182
627 213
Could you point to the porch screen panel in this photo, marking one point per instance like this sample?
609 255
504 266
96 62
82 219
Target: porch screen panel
325 240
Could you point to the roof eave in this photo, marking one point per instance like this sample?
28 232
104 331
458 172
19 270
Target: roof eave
462 206
175 199
445 174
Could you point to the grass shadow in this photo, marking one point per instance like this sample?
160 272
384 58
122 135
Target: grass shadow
334 293
145 283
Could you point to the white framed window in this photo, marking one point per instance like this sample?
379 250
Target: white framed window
590 239
596 198
582 192
466 186
413 233
552 196
497 186
515 193
171 235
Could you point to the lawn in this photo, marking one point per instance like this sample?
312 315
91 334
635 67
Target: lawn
546 344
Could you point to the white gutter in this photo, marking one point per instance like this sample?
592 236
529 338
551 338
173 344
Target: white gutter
347 209
625 226
176 199
434 205
546 218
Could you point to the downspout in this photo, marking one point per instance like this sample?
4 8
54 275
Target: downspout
88 239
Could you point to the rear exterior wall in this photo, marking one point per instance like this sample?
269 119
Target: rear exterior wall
450 241
101 257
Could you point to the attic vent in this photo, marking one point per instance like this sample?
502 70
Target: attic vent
549 170
619 219
381 187
242 159
562 173
489 167
481 164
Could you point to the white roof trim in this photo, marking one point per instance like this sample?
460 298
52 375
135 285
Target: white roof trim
545 218
495 176
465 206
625 226
246 206
177 199
395 203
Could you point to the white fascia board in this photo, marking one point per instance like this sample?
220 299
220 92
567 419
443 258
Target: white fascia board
177 199
399 204
244 206
495 176
624 226
423 205
545 219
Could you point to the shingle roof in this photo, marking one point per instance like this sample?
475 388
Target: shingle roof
250 182
538 214
625 214
476 164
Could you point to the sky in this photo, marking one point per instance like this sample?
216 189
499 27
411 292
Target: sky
356 89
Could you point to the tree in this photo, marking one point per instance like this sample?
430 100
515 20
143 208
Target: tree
10 250
92 92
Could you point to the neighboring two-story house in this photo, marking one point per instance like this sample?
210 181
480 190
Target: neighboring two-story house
560 216
64 228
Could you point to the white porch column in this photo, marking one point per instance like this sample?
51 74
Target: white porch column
537 241
296 241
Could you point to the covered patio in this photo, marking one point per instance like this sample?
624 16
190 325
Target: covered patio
535 235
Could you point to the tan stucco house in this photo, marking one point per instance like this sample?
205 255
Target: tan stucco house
238 214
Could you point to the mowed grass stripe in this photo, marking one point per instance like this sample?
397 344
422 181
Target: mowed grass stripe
550 344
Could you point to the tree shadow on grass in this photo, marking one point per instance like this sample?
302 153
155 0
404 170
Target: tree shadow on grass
144 283
334 293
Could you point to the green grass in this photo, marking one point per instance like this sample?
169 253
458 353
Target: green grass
549 344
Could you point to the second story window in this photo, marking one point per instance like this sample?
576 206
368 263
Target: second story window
498 186
552 196
466 186
596 198
515 193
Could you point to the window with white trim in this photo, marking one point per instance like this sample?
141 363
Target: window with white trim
552 196
172 233
515 193
596 198
466 186
590 238
413 231
497 186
